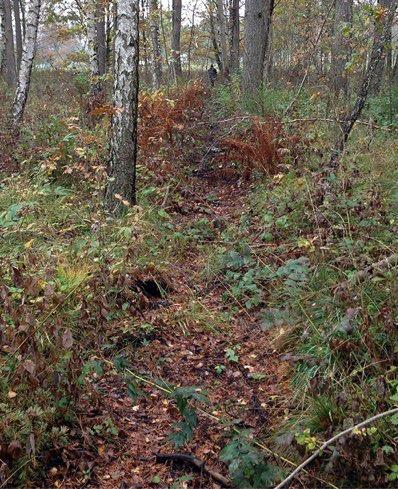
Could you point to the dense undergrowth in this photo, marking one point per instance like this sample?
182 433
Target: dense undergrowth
77 287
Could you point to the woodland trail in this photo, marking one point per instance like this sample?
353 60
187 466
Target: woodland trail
186 353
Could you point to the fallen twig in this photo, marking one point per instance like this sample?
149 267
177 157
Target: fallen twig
361 275
196 463
332 440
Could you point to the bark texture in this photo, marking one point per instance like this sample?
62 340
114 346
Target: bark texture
155 39
385 63
377 54
258 15
2 33
213 36
8 67
25 71
176 38
101 36
234 26
92 41
123 142
18 32
341 49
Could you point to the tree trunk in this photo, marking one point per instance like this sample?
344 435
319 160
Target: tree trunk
18 32
191 37
216 48
341 49
2 34
258 16
25 71
8 67
378 51
381 67
101 36
234 21
155 38
92 42
123 142
222 34
176 39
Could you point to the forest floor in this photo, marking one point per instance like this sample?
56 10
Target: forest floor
209 320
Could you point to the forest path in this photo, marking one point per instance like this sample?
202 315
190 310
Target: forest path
199 340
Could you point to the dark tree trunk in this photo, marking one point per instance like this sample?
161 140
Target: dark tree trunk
8 67
120 190
176 39
101 37
386 58
234 23
155 38
258 16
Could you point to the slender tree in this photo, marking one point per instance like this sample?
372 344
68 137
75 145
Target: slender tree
123 141
234 27
176 39
258 15
8 67
155 38
2 33
213 36
385 64
25 71
341 49
222 35
376 57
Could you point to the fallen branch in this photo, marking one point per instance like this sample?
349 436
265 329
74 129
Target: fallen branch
332 440
375 268
194 462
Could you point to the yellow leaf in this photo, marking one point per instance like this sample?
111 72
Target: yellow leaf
12 394
28 244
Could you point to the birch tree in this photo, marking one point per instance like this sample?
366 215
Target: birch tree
120 189
101 36
176 39
258 15
25 71
92 42
155 39
8 67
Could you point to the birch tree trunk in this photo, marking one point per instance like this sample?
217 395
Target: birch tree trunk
234 20
176 39
120 189
341 49
155 38
378 50
222 34
18 32
92 42
258 15
8 67
25 71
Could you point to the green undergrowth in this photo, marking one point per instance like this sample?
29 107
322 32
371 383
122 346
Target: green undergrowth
289 261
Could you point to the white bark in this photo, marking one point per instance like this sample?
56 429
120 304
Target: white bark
123 143
28 54
2 33
92 41
222 33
